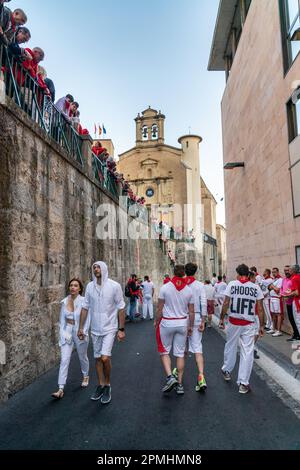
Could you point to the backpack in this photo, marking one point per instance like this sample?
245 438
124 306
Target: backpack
127 291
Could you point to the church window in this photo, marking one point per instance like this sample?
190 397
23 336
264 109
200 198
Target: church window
154 132
145 133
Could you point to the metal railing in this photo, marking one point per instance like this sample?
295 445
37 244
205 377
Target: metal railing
25 91
104 177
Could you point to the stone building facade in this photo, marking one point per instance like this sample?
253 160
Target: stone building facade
48 232
257 43
169 178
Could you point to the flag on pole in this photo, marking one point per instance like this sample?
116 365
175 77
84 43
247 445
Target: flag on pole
95 130
104 130
100 130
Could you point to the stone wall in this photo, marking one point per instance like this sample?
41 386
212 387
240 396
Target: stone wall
48 220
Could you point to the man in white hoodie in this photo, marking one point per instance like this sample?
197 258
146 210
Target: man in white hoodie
105 302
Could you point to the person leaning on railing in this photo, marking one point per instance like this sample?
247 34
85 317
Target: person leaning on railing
9 22
22 36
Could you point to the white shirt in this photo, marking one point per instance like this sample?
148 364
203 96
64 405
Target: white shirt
243 300
265 283
200 301
220 289
148 288
103 303
66 314
210 291
176 305
276 283
214 281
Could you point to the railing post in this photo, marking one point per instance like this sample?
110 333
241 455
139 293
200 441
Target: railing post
86 151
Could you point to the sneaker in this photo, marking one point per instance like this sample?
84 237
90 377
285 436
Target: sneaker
106 396
98 393
256 355
226 375
175 373
244 389
270 332
201 384
170 384
276 334
290 340
179 389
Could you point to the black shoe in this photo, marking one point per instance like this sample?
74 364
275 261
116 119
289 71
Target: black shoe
98 393
106 397
256 356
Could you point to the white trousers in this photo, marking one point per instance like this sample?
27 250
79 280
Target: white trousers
296 317
266 304
245 336
66 353
147 305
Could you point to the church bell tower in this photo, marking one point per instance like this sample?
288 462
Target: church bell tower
150 128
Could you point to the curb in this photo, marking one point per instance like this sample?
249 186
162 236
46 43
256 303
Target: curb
272 353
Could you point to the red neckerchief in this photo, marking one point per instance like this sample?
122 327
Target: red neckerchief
167 280
278 276
13 24
179 283
244 280
189 280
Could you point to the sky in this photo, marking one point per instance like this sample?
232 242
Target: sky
118 57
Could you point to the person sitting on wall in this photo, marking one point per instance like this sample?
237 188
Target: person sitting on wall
9 22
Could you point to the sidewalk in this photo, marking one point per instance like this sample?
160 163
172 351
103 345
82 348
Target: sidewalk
281 352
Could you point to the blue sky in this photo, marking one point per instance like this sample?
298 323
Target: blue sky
118 57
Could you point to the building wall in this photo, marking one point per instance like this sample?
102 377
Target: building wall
209 212
222 253
259 208
48 222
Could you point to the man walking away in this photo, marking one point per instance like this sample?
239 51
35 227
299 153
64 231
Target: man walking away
174 323
200 307
241 298
148 293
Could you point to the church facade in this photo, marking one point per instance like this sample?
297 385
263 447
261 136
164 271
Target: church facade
169 179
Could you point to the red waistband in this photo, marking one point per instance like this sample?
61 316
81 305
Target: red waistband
239 322
178 318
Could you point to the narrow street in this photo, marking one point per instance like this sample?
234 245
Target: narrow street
140 417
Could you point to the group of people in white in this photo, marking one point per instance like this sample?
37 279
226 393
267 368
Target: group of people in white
181 316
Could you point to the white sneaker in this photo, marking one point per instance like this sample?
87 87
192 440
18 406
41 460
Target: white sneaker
276 334
270 332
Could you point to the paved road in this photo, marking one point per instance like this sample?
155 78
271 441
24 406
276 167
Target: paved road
140 418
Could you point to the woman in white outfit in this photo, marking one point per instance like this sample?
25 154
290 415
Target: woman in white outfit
68 339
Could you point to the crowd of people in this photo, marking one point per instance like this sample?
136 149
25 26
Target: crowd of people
109 162
185 307
14 35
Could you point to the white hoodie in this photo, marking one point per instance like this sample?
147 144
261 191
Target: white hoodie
103 302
